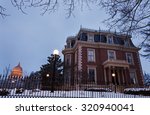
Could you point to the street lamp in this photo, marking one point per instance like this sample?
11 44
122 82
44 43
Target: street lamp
47 75
55 53
113 74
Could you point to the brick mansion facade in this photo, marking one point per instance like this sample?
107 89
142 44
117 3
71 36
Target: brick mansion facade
97 57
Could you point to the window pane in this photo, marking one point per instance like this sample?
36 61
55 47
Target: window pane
103 38
110 39
111 55
84 36
132 77
97 38
91 75
129 58
91 38
90 55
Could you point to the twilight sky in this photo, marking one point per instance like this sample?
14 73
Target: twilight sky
30 39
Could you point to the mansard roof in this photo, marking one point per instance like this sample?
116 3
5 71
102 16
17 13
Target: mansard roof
101 36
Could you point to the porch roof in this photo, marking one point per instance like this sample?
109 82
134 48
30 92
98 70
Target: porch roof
116 63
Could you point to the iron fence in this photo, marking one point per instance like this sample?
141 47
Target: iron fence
33 88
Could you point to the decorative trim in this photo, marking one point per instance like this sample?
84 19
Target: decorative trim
99 45
117 63
80 58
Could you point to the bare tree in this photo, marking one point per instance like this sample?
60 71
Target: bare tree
131 17
2 11
47 5
127 16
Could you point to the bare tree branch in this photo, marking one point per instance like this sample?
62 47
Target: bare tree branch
2 12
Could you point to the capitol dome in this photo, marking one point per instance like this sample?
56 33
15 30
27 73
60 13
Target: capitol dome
16 72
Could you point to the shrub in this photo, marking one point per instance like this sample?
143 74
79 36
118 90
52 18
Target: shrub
4 92
19 91
138 91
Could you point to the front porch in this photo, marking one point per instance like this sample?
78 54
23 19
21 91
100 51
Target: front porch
116 72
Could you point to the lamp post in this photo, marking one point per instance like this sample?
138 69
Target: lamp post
55 53
113 74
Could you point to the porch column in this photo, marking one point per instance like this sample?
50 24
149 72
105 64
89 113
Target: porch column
109 73
118 75
105 76
123 76
127 76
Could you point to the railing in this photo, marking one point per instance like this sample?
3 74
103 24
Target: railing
32 88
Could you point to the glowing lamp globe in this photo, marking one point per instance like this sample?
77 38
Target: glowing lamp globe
56 52
113 74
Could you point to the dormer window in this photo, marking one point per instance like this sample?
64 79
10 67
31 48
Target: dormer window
126 43
91 38
110 39
68 45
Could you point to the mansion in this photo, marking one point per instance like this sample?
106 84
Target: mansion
97 57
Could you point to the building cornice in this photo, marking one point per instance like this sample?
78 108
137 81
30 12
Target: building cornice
100 45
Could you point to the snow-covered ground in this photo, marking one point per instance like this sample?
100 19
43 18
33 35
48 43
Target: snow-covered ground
72 94
137 89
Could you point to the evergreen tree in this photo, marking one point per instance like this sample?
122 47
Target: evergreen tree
47 71
33 81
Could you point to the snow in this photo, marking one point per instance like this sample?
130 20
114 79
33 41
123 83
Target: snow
88 93
137 89
72 94
99 89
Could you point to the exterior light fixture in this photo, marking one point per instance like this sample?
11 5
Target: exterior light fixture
55 53
113 74
47 75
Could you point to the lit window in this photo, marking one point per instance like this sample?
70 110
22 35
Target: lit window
110 39
91 55
90 38
91 74
111 55
129 58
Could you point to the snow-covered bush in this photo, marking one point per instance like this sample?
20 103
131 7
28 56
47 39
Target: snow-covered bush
99 89
138 91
